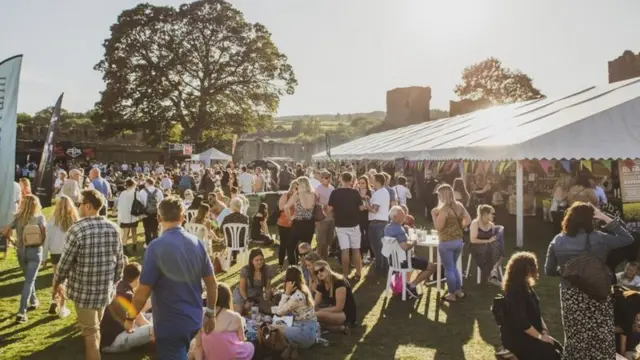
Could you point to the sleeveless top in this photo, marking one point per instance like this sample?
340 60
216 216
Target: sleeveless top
452 228
302 213
485 234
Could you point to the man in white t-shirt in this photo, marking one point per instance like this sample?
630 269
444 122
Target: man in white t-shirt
402 193
166 183
378 220
245 181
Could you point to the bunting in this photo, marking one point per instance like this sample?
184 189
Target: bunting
461 168
607 164
586 164
440 163
501 167
544 164
566 165
494 166
466 166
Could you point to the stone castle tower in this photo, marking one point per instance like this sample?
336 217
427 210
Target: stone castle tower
406 106
625 67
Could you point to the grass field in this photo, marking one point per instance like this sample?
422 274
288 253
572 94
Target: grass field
415 329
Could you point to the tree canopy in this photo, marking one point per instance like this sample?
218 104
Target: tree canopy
201 66
490 80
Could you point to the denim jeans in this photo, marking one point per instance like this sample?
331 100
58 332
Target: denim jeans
376 233
175 347
29 260
302 334
449 253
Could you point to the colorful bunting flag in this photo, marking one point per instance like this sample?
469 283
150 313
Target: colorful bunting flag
461 168
585 164
501 167
606 163
466 167
566 165
544 164
440 163
494 166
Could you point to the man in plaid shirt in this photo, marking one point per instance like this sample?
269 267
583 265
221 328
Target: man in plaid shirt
92 261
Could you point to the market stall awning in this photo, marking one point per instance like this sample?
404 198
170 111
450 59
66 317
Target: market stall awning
211 154
596 123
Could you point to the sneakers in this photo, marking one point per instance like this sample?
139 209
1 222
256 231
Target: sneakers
21 318
53 308
494 281
33 306
64 312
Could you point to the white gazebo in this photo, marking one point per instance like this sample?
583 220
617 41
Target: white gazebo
211 155
596 123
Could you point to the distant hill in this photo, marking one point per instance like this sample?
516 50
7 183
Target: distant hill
378 115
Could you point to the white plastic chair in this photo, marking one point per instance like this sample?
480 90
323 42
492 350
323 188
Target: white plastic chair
202 233
395 266
190 214
478 270
234 231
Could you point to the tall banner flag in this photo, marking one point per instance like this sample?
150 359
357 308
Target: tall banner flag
9 84
44 176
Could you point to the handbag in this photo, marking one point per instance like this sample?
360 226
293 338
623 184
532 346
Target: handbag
318 213
272 338
589 274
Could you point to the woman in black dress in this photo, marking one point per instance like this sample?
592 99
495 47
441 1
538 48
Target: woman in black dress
365 194
523 331
259 228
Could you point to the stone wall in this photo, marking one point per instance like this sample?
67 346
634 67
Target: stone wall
465 106
406 106
625 67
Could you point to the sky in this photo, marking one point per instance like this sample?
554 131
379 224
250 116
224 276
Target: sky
346 54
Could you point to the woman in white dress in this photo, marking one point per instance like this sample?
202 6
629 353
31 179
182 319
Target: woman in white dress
128 223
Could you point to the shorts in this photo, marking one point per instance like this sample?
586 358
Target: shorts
89 320
55 258
417 263
132 225
349 238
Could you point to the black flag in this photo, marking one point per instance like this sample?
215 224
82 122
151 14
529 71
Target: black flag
44 177
327 144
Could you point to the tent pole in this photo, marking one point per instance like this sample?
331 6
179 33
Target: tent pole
519 205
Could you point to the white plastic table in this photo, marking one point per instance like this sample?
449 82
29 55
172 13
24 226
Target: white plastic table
432 242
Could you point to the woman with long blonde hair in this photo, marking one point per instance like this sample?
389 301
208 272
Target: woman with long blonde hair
25 186
302 201
64 215
29 257
450 218
335 304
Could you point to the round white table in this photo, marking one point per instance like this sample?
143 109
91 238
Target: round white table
431 241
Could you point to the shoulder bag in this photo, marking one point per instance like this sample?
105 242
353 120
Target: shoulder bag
589 274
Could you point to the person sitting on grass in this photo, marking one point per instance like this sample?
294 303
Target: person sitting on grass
259 227
335 304
297 301
307 265
395 230
64 215
255 283
113 337
226 339
629 277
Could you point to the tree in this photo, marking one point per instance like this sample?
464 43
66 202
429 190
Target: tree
489 79
201 65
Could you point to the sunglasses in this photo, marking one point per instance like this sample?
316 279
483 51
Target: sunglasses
318 271
305 254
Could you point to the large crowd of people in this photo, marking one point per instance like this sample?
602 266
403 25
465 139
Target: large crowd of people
174 300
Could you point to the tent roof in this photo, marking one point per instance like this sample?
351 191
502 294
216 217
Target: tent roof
211 154
595 123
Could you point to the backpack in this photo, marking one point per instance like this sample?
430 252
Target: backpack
589 274
498 309
137 208
152 202
32 235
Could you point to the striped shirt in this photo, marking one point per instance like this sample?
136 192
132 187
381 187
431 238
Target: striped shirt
92 261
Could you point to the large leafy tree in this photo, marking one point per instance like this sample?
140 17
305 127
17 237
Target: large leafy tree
490 80
201 67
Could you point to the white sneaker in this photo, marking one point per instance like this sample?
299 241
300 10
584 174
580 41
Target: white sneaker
64 312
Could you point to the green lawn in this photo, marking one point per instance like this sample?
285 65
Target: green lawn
418 329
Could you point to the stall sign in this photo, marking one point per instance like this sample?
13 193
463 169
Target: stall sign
74 152
629 172
184 149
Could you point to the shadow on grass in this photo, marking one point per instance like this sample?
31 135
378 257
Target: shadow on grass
24 329
15 288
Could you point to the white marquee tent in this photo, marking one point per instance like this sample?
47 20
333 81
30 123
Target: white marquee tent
210 155
596 123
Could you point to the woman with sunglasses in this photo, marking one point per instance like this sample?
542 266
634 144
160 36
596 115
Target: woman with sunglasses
298 302
487 246
335 304
255 283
